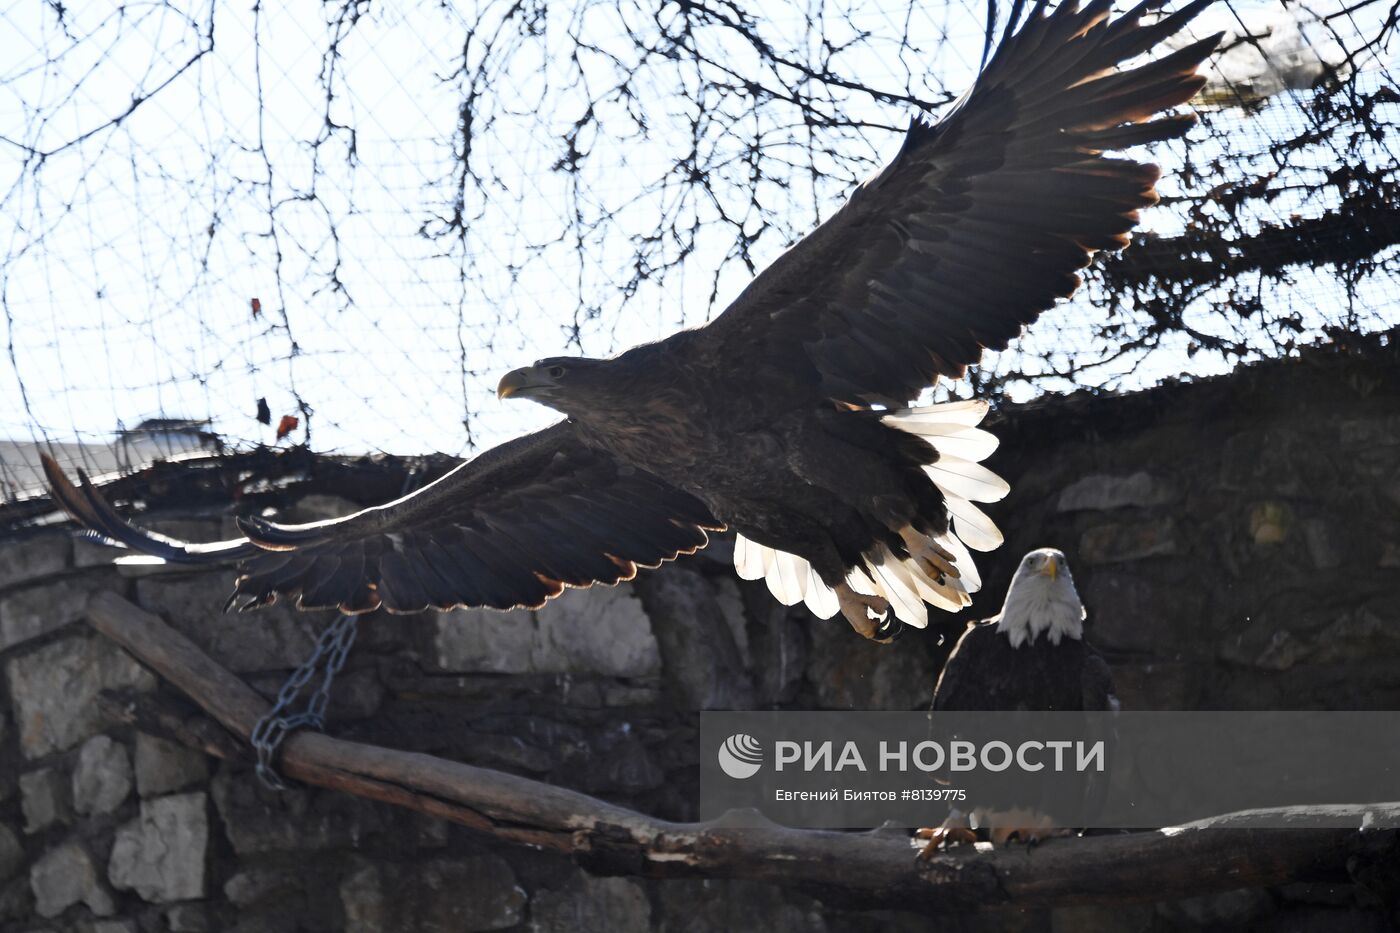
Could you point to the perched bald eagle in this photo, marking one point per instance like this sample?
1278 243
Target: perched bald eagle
1031 656
783 418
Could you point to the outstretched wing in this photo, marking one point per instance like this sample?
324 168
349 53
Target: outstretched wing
510 528
983 218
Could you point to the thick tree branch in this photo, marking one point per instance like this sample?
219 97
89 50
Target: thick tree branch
855 869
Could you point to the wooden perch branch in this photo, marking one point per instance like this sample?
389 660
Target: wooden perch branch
854 869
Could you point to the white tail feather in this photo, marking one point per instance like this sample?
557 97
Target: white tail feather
860 582
970 480
748 560
821 599
948 595
897 586
787 578
969 413
790 578
971 580
951 428
972 525
953 440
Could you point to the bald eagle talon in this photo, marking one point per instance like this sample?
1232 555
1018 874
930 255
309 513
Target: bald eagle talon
937 838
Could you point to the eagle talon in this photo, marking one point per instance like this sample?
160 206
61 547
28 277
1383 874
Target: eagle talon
871 616
942 837
889 630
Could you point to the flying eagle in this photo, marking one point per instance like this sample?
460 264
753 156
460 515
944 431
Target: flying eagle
1031 656
783 419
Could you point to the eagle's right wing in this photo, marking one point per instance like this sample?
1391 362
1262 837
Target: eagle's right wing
983 218
510 528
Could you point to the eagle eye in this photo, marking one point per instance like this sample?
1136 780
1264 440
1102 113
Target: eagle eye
556 371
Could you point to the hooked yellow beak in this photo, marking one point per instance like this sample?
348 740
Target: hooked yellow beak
1052 569
512 382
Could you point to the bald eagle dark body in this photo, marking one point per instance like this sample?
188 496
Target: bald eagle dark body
764 421
1032 656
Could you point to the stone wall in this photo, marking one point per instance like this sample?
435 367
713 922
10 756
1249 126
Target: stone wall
1237 542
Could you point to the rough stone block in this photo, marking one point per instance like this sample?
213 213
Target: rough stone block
1390 489
65 876
1101 918
780 644
43 799
1373 444
160 854
704 667
438 896
1272 649
258 820
187 918
88 553
1370 633
37 610
619 905
1157 685
686 905
1128 612
164 767
54 689
1324 545
114 926
472 640
1224 910
599 630
1125 541
849 672
249 888
11 853
617 762
1270 524
731 604
16 900
9 763
277 638
1267 459
32 557
1100 492
102 777
365 901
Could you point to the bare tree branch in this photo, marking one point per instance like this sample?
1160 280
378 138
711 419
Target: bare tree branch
856 869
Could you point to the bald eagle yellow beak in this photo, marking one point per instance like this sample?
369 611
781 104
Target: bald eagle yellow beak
1051 569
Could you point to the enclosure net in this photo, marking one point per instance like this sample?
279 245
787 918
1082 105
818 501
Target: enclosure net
337 224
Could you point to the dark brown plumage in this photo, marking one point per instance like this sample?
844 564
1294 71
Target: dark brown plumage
761 421
1030 657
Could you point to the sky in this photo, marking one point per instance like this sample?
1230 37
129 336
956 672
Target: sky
133 249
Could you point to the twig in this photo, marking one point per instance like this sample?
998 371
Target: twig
855 869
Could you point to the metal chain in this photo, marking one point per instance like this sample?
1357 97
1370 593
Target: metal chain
332 648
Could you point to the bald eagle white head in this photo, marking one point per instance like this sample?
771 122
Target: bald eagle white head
1022 671
1042 598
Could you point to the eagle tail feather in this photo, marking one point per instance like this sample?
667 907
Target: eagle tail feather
904 581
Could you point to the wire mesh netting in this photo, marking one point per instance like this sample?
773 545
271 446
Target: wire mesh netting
338 223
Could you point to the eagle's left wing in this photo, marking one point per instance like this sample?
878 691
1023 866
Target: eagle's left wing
983 218
513 527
